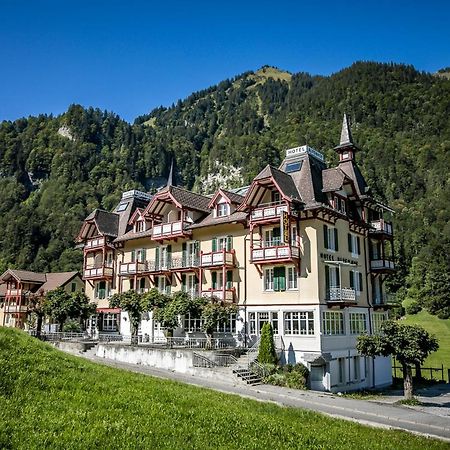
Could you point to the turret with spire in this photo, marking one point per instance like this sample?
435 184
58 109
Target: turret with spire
346 148
170 177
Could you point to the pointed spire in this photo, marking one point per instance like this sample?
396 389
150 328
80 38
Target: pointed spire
346 133
170 177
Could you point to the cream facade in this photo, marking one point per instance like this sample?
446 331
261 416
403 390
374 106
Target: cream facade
304 247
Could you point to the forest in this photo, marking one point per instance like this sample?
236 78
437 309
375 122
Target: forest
54 170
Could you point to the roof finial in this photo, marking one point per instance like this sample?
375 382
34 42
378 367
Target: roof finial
346 133
170 177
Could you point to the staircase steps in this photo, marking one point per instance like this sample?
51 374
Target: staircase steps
247 376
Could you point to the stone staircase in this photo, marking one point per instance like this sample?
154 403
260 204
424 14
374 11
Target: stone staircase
242 365
91 350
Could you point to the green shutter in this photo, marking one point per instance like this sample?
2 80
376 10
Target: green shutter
133 255
184 254
144 255
214 279
183 282
358 242
325 236
276 281
282 278
349 237
352 279
338 277
214 244
360 281
229 279
327 278
229 243
336 244
157 257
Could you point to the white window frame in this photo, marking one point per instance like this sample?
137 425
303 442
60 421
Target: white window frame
222 209
331 240
298 323
358 323
292 278
354 245
333 323
377 320
269 279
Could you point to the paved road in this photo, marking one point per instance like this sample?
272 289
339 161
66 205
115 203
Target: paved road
366 412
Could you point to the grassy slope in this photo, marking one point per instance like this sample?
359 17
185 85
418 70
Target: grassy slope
441 329
52 400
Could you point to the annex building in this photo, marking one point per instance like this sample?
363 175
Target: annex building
304 247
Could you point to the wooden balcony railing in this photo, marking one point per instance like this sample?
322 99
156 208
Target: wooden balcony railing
272 254
381 227
338 294
185 262
169 230
95 243
132 268
98 272
221 294
268 211
14 292
16 309
219 258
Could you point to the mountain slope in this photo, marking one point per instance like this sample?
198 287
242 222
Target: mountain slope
54 170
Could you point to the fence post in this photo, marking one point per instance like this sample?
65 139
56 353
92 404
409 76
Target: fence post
448 376
442 370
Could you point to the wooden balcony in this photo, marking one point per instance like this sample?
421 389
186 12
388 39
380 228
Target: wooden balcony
94 243
104 271
382 265
14 293
16 309
219 258
227 295
342 296
163 265
381 228
268 212
132 268
275 254
171 230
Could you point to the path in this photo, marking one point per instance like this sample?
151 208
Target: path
366 412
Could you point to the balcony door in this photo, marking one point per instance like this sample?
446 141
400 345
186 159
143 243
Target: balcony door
272 237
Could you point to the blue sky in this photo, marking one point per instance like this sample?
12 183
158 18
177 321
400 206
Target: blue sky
131 56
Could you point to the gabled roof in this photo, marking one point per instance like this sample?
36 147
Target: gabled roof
24 276
56 280
353 172
133 235
231 197
333 179
180 197
210 220
106 223
282 180
138 214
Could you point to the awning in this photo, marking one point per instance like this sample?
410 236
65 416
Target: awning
109 310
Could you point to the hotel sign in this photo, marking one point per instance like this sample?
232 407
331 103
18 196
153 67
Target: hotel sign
285 227
328 257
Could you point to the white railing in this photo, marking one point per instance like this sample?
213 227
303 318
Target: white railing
185 262
194 342
274 253
381 264
338 294
93 243
220 294
381 226
269 211
167 229
218 258
132 268
14 292
93 272
15 309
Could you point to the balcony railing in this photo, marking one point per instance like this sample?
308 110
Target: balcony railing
227 295
169 230
382 264
268 211
98 272
338 294
185 262
220 258
132 268
14 292
94 243
380 226
16 309
279 253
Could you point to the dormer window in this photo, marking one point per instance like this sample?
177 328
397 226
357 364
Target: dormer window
276 198
222 209
139 226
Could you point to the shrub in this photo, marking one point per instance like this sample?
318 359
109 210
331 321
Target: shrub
267 353
72 326
295 380
396 313
302 370
413 308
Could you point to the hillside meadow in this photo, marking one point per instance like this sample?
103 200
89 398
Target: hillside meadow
55 401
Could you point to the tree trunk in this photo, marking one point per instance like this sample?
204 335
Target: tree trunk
418 372
61 325
39 325
407 382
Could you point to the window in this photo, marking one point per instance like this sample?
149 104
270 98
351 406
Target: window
292 277
140 226
73 287
358 323
333 323
102 290
332 279
257 320
139 255
222 243
339 204
110 322
377 320
293 167
272 237
192 323
356 368
356 280
252 322
299 322
294 236
330 238
189 284
229 326
341 365
222 209
276 198
122 207
354 245
275 279
163 285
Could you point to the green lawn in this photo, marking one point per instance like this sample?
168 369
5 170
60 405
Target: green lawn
52 400
441 329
